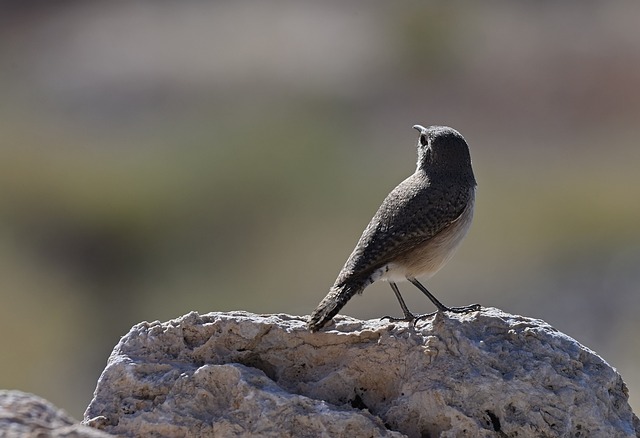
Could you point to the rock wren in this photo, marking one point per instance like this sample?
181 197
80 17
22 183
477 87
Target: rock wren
415 231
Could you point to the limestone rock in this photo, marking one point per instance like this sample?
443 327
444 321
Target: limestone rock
483 374
26 415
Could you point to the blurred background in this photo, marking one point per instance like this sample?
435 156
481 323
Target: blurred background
160 157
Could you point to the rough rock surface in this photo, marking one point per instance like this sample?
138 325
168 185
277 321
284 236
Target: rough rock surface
484 374
27 415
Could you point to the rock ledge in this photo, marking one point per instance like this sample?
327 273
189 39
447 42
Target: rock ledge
484 374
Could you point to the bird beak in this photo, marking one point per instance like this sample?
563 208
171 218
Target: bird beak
422 139
420 128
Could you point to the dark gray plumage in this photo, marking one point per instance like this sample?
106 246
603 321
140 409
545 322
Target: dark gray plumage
417 228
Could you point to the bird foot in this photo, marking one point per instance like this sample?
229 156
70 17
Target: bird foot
464 309
406 318
413 319
410 318
423 316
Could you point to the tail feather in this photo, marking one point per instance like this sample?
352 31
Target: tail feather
331 304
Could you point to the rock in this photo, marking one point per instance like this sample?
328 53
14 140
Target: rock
483 374
27 415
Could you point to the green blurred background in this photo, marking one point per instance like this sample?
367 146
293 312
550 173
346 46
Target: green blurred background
160 157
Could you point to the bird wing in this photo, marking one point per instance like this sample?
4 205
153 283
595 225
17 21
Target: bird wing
411 214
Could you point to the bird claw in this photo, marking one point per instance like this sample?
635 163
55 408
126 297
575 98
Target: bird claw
419 317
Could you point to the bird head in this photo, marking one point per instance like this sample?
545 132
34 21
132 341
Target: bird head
443 150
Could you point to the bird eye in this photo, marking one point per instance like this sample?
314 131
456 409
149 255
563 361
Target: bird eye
423 139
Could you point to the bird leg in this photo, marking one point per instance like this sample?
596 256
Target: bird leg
408 316
441 307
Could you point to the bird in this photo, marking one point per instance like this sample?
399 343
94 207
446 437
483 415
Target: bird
416 230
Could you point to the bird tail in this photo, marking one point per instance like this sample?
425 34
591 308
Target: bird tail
331 304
